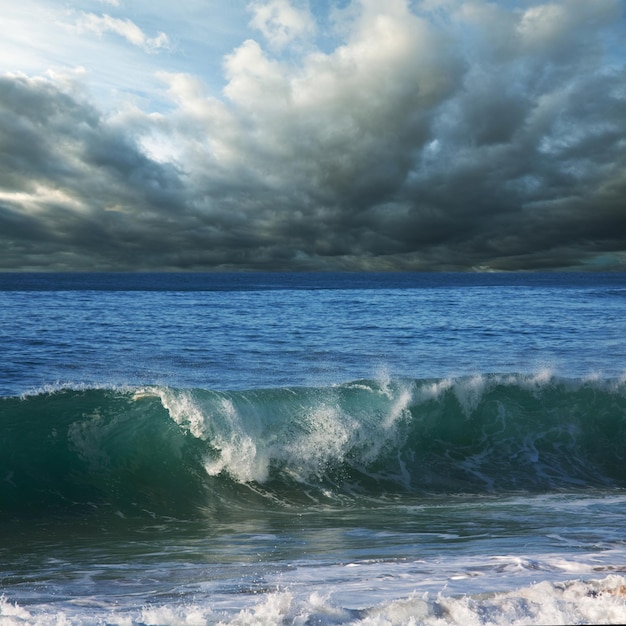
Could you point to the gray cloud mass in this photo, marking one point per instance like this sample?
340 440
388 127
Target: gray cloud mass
439 135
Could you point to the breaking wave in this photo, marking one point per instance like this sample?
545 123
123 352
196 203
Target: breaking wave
182 452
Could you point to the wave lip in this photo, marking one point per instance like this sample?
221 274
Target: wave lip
180 451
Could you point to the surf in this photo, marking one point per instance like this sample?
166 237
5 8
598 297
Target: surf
185 452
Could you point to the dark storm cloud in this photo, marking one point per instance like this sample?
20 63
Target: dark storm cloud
75 191
452 136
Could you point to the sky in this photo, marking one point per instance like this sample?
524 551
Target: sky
356 135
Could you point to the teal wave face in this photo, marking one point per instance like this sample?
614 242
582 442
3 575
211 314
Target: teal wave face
180 452
75 451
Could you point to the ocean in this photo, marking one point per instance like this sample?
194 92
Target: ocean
312 449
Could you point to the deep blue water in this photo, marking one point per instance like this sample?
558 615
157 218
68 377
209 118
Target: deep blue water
312 448
263 330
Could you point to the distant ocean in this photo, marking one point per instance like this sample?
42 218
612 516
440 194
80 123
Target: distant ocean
312 449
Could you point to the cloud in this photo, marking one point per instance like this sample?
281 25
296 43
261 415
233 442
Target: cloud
433 136
280 22
125 28
80 194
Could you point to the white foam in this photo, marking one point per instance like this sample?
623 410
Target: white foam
399 408
184 411
469 392
434 390
270 612
329 434
60 387
238 453
594 601
165 616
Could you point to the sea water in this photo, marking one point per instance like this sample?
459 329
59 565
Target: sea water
312 448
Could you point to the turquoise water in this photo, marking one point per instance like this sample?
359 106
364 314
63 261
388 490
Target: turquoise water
312 449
